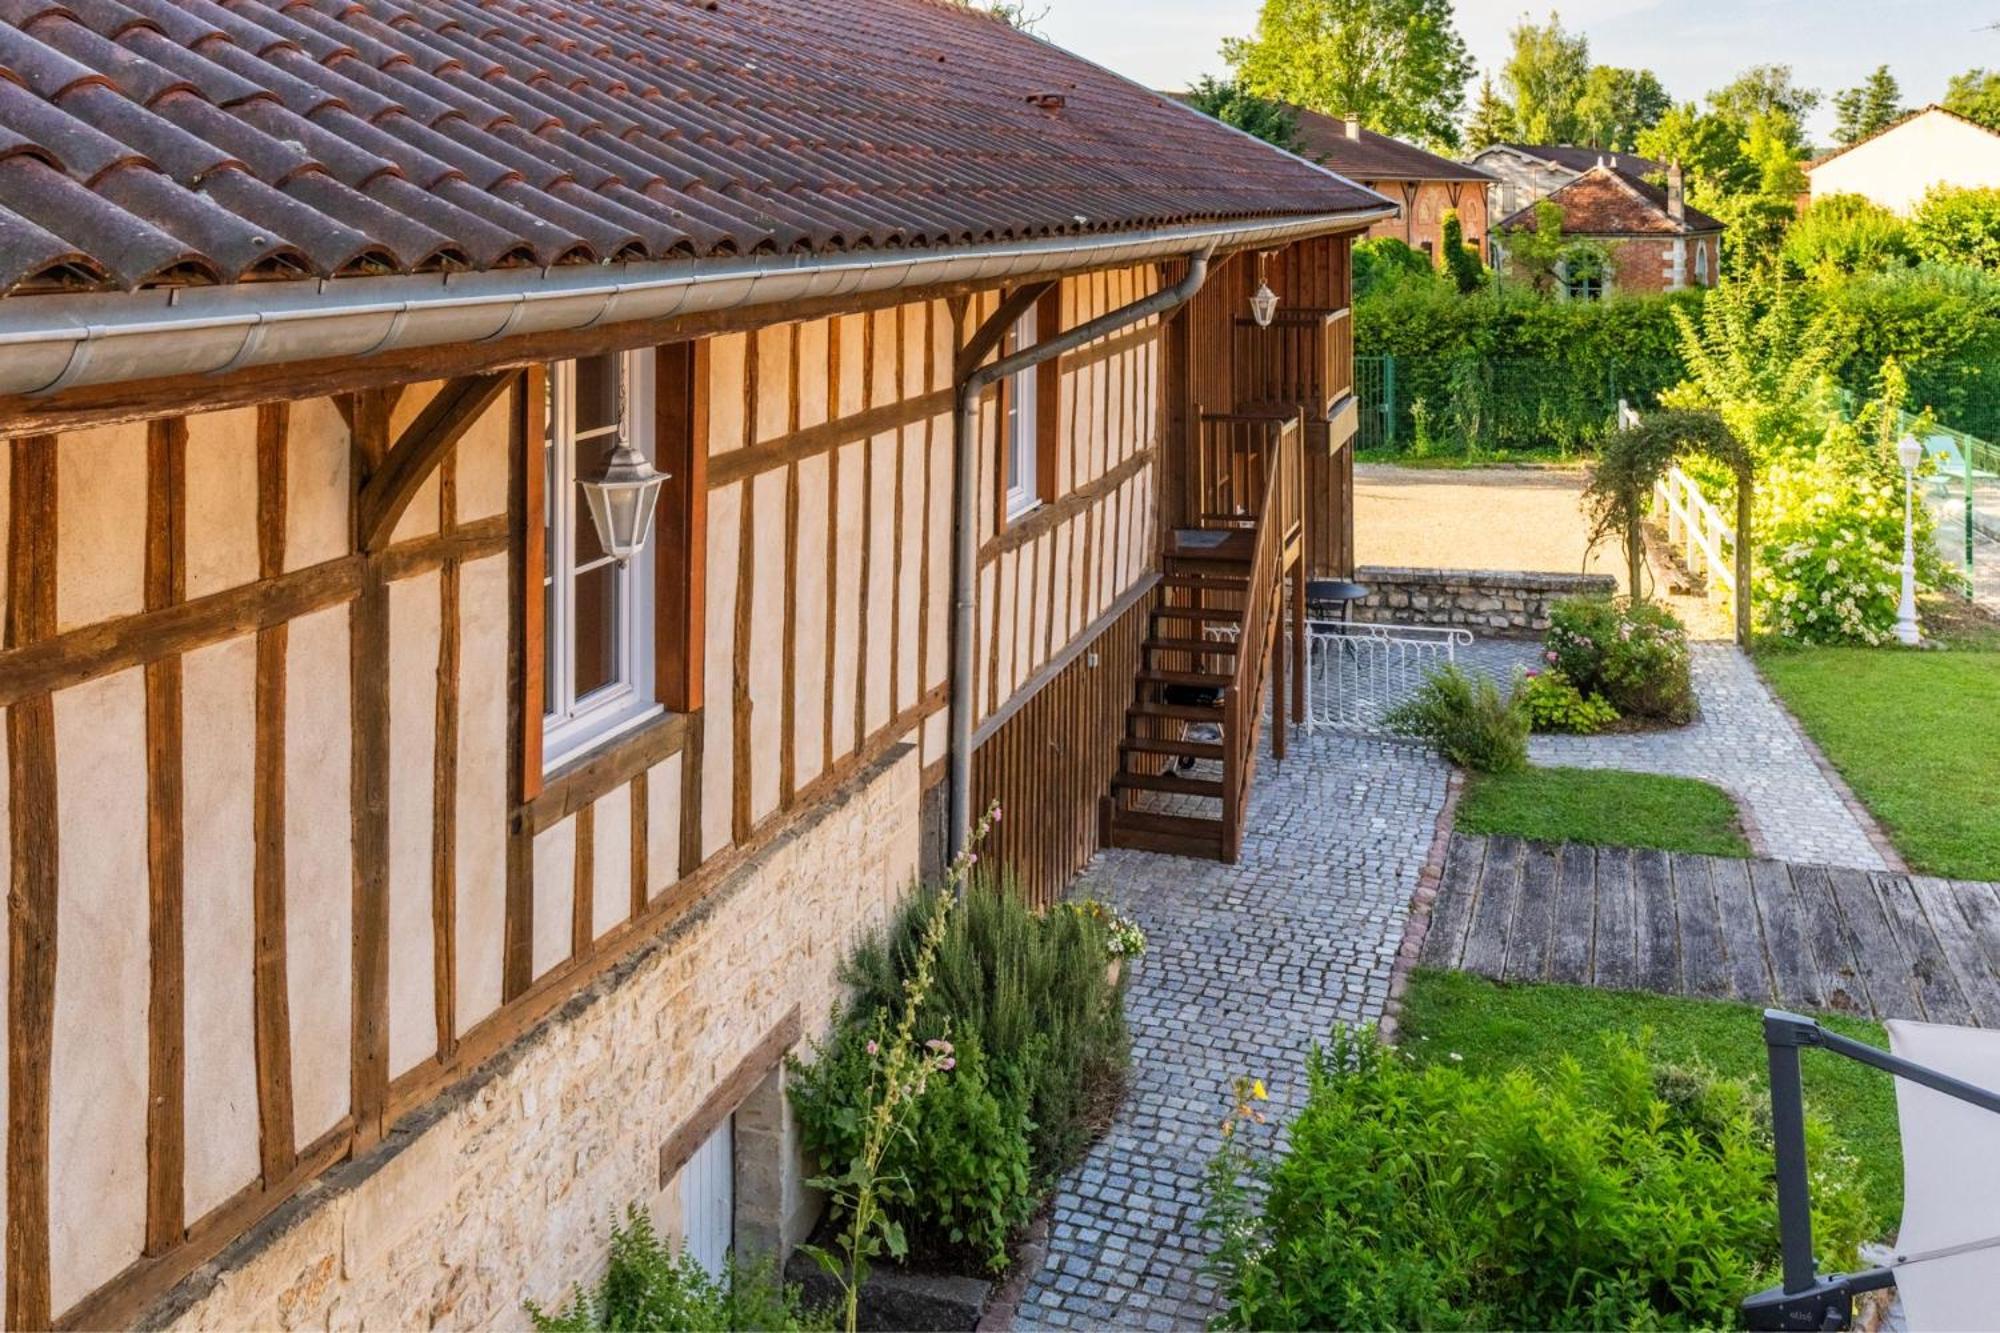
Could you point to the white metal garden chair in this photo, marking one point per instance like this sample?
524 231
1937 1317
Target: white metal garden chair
1946 1266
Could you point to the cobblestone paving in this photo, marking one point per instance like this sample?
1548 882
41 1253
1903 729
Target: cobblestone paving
1743 741
1248 964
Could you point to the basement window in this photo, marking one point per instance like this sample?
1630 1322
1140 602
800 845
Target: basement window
597 615
1020 417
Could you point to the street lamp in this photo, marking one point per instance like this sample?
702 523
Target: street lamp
1910 451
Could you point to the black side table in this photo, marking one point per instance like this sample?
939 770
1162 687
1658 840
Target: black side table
1320 592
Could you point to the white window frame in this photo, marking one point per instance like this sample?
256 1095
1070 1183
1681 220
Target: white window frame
575 726
1019 425
1701 263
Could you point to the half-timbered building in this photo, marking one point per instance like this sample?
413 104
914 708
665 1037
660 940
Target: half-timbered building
399 880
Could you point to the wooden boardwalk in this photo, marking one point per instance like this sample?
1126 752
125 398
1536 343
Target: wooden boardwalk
1765 932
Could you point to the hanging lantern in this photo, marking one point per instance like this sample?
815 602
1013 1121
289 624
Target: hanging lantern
623 500
1264 301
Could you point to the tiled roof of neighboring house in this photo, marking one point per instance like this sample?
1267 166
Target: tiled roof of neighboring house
1571 158
1373 156
147 142
1897 124
1603 202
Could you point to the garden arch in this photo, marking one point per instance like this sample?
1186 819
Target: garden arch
1639 454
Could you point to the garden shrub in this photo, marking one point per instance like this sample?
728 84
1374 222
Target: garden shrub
1467 720
647 1286
1617 1195
1954 225
1843 234
1382 262
1633 654
1041 1047
1554 703
955 1179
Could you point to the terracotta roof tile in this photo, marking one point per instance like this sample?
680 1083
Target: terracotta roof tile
1603 202
176 141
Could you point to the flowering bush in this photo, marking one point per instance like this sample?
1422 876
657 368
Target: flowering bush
1830 570
1632 654
1554 703
1122 936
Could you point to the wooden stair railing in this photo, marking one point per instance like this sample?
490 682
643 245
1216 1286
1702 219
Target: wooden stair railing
1215 637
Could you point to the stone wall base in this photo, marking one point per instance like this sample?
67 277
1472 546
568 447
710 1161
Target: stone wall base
1486 601
505 1189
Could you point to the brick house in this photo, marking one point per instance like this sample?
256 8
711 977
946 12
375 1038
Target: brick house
1526 172
413 857
1424 185
1655 242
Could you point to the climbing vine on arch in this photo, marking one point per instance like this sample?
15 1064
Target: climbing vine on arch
1638 455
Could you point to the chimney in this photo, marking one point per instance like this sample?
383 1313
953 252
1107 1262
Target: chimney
1353 125
1676 206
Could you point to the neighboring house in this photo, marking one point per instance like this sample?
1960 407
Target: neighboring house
1528 172
1655 242
1425 185
400 885
1898 164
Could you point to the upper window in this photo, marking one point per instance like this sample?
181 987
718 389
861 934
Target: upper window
597 664
1020 438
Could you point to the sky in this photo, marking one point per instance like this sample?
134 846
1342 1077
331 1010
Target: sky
1693 45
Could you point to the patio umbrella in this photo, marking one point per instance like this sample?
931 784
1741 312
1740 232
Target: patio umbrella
1948 1252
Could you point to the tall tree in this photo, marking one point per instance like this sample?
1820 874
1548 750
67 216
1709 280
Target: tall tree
1547 76
1618 105
1763 88
1975 95
1399 65
1868 107
1492 119
1271 121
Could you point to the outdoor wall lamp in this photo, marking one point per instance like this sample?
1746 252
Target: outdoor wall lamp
1910 452
624 499
1264 301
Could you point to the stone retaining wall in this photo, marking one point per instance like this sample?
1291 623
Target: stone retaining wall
505 1191
1485 600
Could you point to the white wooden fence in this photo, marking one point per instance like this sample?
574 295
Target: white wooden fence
1695 527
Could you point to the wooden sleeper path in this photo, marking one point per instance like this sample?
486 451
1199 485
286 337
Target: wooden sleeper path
1763 932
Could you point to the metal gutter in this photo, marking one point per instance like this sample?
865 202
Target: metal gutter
965 523
52 343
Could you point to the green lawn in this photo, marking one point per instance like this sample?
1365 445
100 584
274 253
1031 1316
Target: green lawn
1493 1028
1604 806
1917 735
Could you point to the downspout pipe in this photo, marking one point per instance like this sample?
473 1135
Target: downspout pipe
965 520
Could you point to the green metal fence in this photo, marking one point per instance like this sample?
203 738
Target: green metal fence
1962 486
1475 404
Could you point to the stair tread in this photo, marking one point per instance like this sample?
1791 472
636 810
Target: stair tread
1168 782
1162 745
1150 821
1176 643
1219 614
1184 712
1208 680
1186 579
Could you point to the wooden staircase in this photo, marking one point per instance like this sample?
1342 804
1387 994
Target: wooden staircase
1188 751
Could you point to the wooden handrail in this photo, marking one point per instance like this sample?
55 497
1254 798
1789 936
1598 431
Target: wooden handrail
1303 358
1280 461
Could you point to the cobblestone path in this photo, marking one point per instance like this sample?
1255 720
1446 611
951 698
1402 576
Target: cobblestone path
1248 965
1743 741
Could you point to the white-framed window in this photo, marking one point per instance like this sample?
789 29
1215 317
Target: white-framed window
597 615
1019 437
1701 263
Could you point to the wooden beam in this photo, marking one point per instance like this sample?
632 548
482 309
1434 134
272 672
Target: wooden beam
419 448
680 539
575 786
166 457
271 1005
375 463
731 1093
31 917
989 335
